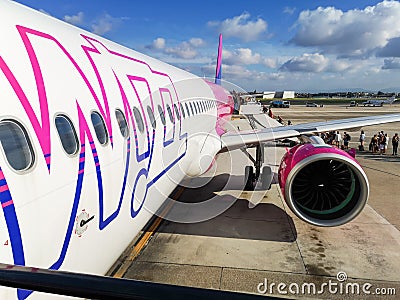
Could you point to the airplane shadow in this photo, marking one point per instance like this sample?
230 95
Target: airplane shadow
377 157
266 221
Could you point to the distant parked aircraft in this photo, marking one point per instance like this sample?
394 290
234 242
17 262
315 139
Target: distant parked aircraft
378 102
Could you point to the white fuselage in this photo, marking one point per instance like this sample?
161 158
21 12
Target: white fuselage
51 70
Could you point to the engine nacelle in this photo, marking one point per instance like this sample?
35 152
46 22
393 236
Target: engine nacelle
323 185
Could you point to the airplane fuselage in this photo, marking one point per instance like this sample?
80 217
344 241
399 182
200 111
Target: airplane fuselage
108 134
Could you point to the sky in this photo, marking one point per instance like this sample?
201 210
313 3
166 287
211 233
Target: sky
306 46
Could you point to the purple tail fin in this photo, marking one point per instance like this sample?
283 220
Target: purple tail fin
218 70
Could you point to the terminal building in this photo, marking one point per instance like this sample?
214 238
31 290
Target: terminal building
278 95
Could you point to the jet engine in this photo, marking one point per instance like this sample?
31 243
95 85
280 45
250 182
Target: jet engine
323 185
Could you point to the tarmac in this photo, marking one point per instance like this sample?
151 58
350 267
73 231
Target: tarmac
255 244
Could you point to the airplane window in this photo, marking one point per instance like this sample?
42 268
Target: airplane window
170 114
187 109
177 112
67 134
123 126
99 127
151 117
191 108
138 119
162 116
16 145
196 107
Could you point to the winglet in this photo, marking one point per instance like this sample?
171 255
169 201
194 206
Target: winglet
218 70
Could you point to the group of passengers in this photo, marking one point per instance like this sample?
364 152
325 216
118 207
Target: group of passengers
335 138
379 142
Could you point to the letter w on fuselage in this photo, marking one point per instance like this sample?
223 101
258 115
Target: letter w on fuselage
132 86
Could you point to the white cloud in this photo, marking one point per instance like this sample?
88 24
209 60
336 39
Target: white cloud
235 72
184 50
106 23
246 56
354 33
391 63
158 44
270 62
317 63
241 27
337 66
276 76
241 56
313 63
289 10
75 19
196 42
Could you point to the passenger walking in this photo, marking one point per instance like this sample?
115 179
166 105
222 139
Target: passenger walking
382 144
346 139
362 141
386 143
373 144
338 139
395 143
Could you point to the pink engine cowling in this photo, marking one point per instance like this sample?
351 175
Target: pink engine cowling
323 185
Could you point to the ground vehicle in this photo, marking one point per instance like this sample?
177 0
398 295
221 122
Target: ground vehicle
353 104
280 103
311 104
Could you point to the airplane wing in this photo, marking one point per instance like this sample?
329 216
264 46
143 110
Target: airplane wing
104 287
236 140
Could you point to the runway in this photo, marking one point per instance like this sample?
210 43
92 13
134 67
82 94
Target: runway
257 243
